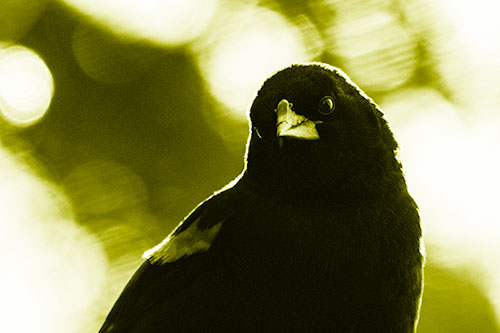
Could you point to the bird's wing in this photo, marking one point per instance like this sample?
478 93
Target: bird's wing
173 264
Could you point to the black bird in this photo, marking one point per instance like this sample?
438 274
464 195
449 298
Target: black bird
318 233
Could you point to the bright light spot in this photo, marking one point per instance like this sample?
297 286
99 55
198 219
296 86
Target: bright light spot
376 50
168 22
246 46
466 49
26 86
477 25
53 270
452 172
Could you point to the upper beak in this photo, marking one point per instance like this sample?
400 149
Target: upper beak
291 124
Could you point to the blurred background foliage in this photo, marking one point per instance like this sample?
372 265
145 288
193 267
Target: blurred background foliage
118 117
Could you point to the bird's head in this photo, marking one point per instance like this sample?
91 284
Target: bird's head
314 131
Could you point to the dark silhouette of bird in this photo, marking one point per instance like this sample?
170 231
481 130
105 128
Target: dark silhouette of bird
317 234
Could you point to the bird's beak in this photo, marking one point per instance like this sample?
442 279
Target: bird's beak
293 125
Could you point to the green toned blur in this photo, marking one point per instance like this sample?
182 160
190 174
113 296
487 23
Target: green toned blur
118 118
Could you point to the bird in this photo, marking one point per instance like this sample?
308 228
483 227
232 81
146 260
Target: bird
318 233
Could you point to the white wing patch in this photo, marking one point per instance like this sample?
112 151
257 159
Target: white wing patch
188 242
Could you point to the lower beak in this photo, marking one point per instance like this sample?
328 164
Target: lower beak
293 125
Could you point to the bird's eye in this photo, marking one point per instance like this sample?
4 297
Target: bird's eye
326 105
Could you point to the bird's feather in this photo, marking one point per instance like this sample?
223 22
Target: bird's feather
315 235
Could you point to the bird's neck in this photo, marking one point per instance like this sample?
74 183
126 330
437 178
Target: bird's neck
312 177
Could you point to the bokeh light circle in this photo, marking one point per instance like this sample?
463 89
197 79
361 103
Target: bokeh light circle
104 57
377 51
26 86
248 44
171 23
